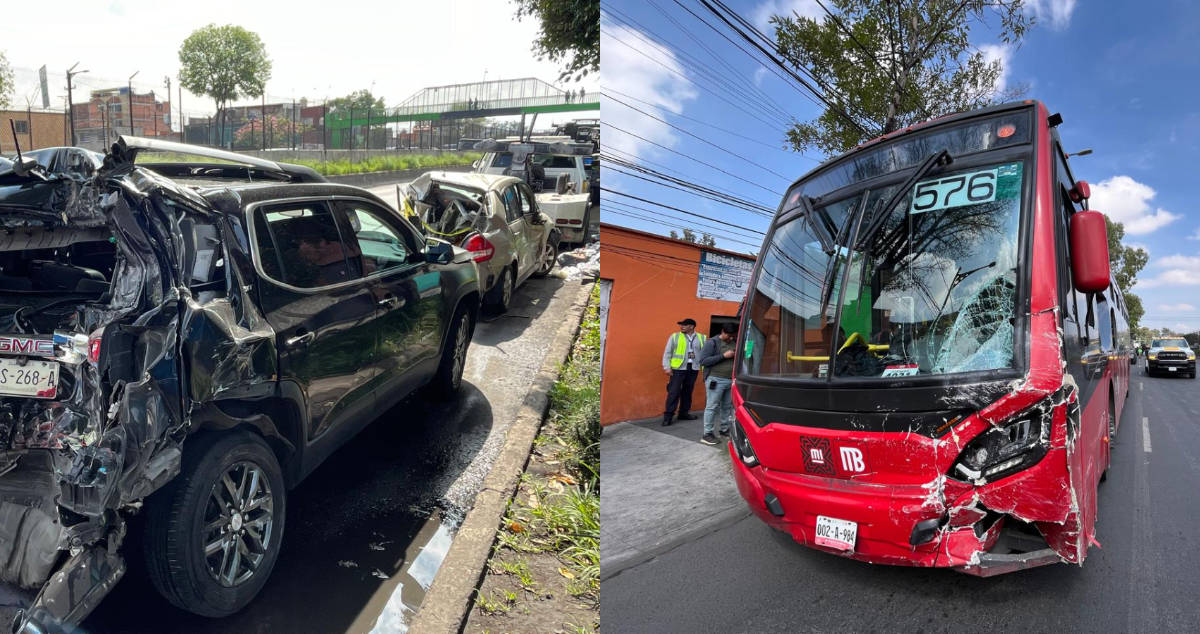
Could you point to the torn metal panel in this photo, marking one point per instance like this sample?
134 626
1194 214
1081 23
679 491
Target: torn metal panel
123 278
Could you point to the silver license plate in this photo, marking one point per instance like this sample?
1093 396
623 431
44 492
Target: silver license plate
33 379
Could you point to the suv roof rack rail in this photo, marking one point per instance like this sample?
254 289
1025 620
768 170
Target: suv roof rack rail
131 145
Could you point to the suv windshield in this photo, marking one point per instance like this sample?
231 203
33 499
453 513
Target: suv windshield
1163 343
932 291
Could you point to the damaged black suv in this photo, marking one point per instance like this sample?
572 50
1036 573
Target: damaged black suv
188 341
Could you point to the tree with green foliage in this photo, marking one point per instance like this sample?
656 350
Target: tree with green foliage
6 81
224 63
358 100
1126 263
570 33
886 65
704 239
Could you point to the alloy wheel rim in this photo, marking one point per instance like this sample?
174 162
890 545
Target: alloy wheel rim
547 258
507 290
238 524
460 350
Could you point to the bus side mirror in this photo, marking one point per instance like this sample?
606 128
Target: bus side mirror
1089 252
1080 192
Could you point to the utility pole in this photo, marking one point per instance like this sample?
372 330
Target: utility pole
170 128
263 112
131 101
70 103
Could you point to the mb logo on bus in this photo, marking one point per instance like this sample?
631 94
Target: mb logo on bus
852 460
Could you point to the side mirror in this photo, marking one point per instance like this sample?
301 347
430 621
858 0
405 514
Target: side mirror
439 252
1080 192
1089 252
475 164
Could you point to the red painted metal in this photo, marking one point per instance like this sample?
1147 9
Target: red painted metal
902 481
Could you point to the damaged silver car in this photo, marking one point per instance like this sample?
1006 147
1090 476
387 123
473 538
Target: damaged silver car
188 341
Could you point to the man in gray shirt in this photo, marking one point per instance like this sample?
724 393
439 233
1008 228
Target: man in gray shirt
717 360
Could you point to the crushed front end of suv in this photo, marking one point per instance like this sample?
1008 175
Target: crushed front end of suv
154 361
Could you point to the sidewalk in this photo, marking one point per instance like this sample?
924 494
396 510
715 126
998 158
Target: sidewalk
661 488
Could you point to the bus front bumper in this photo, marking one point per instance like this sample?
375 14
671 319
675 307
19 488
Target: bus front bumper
896 524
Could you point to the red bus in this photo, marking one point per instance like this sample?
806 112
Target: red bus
934 357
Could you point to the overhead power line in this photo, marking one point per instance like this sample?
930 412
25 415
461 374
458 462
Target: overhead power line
743 232
712 125
678 224
820 94
697 137
665 206
748 92
778 120
691 187
688 156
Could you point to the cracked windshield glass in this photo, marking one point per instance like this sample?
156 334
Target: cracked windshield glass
929 289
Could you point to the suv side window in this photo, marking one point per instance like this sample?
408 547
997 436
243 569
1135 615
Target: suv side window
299 244
512 208
379 240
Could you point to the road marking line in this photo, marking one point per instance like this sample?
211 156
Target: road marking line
1140 386
1146 434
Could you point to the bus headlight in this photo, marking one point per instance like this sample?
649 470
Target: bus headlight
742 445
1004 450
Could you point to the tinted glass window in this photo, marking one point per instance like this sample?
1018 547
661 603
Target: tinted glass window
378 243
502 159
299 244
555 161
512 207
526 199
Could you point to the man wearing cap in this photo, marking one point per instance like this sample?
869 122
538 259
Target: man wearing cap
681 361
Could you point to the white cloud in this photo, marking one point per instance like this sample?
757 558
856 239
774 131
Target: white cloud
761 14
1127 201
1177 308
654 78
759 74
1195 236
1056 12
1003 54
1179 270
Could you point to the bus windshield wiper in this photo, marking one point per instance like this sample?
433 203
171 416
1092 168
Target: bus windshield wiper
938 159
817 225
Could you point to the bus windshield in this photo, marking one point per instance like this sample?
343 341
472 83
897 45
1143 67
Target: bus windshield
927 288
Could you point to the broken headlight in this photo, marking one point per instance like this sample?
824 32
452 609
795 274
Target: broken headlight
1005 449
742 445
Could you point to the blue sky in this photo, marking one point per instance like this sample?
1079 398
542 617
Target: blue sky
1123 76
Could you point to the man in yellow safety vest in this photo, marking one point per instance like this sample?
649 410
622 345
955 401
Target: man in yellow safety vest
681 361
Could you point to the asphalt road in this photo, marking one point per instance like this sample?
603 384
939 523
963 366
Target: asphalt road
366 532
746 577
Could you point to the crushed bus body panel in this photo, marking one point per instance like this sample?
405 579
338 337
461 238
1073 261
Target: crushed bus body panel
921 385
96 265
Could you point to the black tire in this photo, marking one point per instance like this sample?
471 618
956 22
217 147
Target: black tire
500 296
587 227
549 258
178 514
448 380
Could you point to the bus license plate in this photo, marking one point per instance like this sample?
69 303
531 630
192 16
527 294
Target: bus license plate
36 379
835 533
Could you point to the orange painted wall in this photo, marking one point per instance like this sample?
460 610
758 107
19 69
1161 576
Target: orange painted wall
653 286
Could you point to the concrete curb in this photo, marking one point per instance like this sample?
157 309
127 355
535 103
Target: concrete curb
448 600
